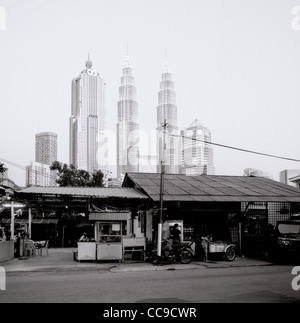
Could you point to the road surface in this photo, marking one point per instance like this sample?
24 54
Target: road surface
260 284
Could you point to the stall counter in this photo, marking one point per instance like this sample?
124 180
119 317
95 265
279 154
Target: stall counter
7 249
86 251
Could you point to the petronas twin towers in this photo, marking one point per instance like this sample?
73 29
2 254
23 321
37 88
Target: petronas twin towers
127 127
168 151
88 142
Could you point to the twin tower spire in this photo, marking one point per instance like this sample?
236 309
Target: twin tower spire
128 153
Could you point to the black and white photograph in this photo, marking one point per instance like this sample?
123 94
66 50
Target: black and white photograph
149 154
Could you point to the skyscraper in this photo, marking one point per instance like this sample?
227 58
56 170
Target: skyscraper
197 154
167 111
39 173
88 149
46 148
127 127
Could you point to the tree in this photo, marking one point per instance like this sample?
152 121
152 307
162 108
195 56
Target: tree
69 175
2 169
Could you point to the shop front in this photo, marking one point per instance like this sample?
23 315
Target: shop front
236 209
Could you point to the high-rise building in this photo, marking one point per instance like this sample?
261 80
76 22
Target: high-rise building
46 148
39 173
127 127
88 150
197 154
168 141
286 175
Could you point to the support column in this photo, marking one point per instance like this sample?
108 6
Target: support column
12 221
29 222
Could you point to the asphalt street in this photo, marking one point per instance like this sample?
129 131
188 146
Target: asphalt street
257 284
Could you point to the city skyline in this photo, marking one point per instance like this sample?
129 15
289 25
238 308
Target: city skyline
235 65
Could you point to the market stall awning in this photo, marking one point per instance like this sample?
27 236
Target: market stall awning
77 199
34 221
109 216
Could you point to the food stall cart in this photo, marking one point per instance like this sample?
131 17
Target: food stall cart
109 241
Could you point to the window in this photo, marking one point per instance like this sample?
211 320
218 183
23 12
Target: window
110 232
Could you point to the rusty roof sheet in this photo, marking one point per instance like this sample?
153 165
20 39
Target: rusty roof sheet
213 188
102 192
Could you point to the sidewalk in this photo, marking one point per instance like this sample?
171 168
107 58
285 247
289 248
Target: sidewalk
62 260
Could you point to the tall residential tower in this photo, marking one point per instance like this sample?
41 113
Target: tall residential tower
46 148
167 111
39 173
197 154
127 127
87 121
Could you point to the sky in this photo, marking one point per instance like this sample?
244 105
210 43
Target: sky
235 66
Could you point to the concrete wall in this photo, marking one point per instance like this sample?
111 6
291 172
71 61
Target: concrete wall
6 250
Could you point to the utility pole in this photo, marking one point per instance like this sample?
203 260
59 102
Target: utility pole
159 235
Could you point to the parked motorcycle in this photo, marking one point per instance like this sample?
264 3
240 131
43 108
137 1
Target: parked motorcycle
172 253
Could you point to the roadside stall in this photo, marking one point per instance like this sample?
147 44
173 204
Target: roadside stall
115 234
6 247
107 244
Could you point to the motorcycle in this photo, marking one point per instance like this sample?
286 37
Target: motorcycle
172 253
220 248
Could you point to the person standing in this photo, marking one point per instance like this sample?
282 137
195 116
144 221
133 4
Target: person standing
176 234
205 243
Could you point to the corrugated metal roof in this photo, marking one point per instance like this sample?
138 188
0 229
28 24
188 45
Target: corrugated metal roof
34 221
213 188
102 192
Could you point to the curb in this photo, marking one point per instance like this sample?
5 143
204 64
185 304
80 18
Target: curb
131 267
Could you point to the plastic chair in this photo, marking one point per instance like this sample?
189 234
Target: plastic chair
30 249
45 247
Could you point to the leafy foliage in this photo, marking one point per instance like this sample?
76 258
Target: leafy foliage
2 169
69 175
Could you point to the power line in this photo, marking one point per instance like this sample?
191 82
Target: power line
236 148
36 172
179 136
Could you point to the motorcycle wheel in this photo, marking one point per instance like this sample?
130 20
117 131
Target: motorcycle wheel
186 256
155 260
230 254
